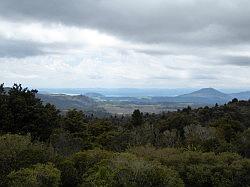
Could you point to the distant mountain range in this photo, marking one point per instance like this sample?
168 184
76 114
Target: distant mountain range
94 101
202 96
211 95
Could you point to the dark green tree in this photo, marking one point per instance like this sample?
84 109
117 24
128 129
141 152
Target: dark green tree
74 121
22 112
137 118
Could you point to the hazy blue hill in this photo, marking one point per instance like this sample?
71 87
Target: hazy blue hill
205 95
99 102
80 102
241 95
94 94
63 101
207 92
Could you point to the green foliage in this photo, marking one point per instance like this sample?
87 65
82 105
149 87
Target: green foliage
99 127
243 143
39 175
178 121
169 138
86 159
228 128
23 113
74 167
137 118
66 143
201 169
18 151
127 170
101 133
191 147
74 121
69 175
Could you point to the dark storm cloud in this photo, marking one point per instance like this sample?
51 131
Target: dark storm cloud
19 49
189 22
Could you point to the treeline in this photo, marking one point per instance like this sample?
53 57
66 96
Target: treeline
40 146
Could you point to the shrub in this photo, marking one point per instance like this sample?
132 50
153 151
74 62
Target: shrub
69 175
37 176
127 170
18 151
85 160
201 169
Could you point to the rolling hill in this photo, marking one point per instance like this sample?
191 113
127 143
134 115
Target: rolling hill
241 95
96 102
205 95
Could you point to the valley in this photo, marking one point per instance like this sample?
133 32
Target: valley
101 105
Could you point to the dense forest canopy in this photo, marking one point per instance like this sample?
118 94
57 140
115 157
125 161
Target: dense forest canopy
40 146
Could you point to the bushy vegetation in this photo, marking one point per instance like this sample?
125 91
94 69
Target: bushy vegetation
37 175
39 146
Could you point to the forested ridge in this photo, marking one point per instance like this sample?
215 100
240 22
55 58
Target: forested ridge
40 146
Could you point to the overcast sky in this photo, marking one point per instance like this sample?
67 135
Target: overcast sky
125 43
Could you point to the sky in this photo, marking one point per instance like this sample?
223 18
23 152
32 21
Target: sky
125 44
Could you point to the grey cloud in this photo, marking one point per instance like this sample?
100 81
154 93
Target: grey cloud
189 22
22 48
236 60
19 49
166 77
154 52
204 77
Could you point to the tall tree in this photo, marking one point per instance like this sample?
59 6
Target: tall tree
137 118
24 113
